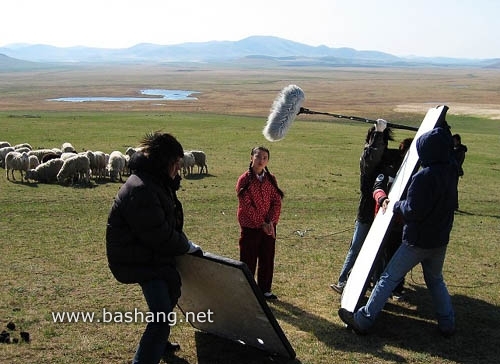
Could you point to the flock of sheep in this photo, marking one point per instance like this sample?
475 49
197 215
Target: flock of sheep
66 166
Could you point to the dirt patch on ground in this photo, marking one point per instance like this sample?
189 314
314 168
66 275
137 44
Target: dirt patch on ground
490 111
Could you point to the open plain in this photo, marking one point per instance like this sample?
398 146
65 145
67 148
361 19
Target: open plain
52 245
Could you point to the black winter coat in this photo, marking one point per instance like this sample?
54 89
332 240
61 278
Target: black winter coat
369 167
144 229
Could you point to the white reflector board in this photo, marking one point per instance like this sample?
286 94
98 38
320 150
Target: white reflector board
228 302
359 275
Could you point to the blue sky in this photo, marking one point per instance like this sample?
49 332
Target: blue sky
458 28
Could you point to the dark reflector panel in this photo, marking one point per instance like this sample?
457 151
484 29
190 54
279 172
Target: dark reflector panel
220 296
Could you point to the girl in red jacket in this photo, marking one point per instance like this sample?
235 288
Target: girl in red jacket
259 208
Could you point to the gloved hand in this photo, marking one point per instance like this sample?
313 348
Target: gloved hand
380 125
194 249
384 205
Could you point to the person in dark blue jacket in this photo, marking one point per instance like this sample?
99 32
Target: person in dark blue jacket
428 213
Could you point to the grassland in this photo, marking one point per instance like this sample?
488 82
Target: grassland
52 248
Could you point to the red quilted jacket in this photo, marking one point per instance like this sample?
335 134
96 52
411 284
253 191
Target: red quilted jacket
259 202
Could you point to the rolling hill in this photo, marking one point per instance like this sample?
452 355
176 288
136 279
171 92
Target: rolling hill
254 49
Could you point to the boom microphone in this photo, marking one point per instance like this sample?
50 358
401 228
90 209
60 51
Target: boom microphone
288 105
283 111
303 110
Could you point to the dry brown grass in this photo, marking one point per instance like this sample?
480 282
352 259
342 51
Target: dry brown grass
361 92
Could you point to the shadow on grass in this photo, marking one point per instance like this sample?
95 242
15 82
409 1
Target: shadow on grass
411 326
24 183
198 176
214 349
63 185
463 212
96 182
334 336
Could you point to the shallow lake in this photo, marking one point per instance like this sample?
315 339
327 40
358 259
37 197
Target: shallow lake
155 95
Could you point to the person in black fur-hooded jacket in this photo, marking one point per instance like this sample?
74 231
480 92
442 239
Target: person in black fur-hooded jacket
144 233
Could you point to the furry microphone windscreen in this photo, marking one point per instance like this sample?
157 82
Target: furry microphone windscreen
284 110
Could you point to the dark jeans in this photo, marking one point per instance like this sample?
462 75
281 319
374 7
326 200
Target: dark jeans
405 258
361 230
154 339
257 252
388 248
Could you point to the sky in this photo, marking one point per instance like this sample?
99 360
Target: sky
428 28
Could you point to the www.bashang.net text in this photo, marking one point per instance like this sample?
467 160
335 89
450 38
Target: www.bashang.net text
135 316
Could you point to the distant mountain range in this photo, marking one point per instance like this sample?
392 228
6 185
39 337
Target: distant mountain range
255 50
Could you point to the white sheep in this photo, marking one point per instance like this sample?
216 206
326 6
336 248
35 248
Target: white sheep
127 161
15 161
66 155
116 165
23 149
77 167
106 158
3 153
200 159
100 164
45 172
34 162
23 145
4 144
90 155
97 163
68 148
188 162
130 151
40 153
